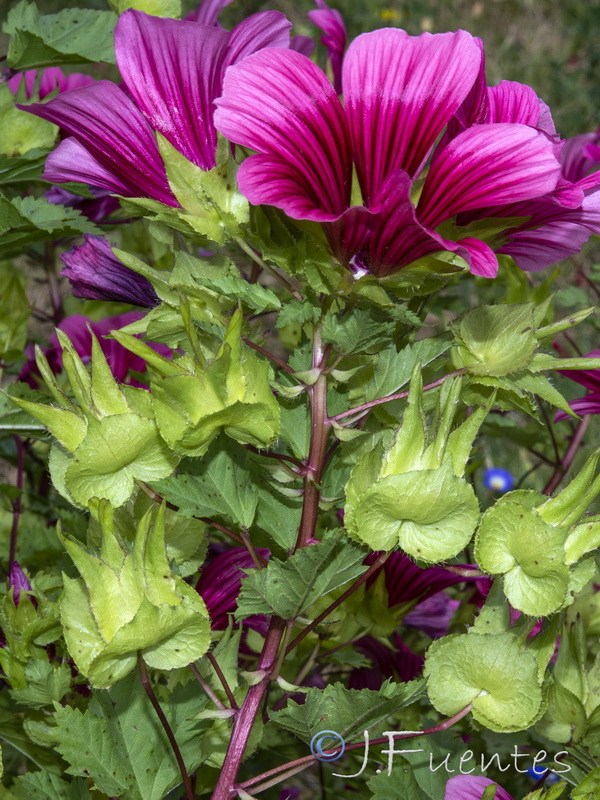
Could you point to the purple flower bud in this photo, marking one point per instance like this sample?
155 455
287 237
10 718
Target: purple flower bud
96 274
18 580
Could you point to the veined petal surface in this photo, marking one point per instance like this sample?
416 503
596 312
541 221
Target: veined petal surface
280 103
399 92
486 165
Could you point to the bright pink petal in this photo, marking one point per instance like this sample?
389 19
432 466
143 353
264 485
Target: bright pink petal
110 127
534 250
488 165
584 406
280 104
70 161
399 92
472 787
77 80
331 22
172 69
575 156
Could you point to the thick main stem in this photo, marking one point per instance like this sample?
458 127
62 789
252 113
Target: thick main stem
268 661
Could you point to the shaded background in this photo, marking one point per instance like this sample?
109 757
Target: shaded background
553 45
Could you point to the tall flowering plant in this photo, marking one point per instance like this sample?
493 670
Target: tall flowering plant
290 473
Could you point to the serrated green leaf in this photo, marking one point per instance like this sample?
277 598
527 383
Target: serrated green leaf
400 785
118 743
493 673
220 485
295 312
289 588
46 786
349 712
73 36
356 332
393 369
46 684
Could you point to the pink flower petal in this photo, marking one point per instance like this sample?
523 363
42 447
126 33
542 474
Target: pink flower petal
257 32
209 10
472 787
399 92
488 165
482 259
513 102
172 69
70 161
281 104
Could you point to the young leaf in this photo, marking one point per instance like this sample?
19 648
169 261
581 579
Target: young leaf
288 588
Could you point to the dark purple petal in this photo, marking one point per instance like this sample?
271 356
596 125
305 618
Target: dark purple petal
96 274
487 165
590 404
281 104
97 208
18 580
399 93
405 581
331 22
123 154
472 787
259 31
302 44
388 660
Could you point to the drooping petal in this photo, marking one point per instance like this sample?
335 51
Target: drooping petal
488 165
280 104
172 69
209 10
96 274
399 92
583 406
482 259
331 22
472 787
113 131
534 250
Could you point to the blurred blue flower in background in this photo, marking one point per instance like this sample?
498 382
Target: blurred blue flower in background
498 480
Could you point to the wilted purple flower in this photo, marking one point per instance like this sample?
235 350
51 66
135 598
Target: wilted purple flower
96 274
399 94
433 616
18 581
331 22
590 378
388 660
77 327
405 582
472 787
173 71
52 78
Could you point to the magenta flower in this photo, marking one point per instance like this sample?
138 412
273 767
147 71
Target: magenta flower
331 22
405 582
52 78
581 155
399 94
19 583
391 659
96 274
590 378
77 327
472 787
97 208
208 12
433 616
172 70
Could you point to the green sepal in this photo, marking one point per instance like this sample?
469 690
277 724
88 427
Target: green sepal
492 673
67 426
132 604
571 503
